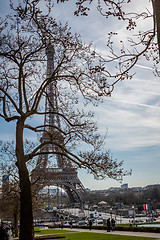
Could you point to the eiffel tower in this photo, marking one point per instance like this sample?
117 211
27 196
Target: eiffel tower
63 175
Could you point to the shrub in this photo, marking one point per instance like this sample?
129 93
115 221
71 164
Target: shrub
50 236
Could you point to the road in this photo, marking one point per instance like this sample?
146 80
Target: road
119 219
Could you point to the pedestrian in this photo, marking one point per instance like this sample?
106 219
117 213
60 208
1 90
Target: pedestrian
90 224
108 225
12 229
3 233
113 224
9 232
71 224
62 224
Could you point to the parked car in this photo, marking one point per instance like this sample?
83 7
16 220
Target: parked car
138 220
150 219
100 221
81 223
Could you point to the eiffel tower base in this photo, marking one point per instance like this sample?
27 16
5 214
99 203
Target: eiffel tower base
67 179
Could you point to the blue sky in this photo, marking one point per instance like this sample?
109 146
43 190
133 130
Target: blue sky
131 116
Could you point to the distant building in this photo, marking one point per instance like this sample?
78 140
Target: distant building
88 189
124 186
49 191
151 186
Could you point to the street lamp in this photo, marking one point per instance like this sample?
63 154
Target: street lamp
111 212
133 215
120 217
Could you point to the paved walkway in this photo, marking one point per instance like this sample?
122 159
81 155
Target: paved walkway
137 234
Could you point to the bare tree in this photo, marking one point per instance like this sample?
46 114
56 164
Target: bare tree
10 205
10 191
141 43
10 197
77 72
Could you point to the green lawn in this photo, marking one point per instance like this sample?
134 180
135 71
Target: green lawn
88 236
100 236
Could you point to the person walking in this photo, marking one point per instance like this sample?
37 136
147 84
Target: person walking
108 225
61 224
90 224
113 224
71 224
3 233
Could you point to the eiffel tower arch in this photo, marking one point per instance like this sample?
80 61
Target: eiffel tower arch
63 175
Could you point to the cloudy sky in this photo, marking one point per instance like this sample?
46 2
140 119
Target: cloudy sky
131 115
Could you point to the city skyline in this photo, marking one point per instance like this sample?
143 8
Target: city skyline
130 116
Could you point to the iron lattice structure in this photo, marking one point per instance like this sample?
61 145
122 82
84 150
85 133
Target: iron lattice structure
63 175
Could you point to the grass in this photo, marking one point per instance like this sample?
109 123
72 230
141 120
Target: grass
88 236
101 236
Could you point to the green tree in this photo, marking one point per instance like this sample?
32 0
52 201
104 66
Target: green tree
24 37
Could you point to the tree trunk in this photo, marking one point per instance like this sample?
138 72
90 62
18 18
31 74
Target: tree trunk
15 226
157 19
26 217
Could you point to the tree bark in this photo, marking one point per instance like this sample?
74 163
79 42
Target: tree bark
157 19
15 226
26 217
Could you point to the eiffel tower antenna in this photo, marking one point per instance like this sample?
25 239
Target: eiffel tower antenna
51 100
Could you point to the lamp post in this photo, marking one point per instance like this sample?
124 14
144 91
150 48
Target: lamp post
111 212
48 199
121 218
133 215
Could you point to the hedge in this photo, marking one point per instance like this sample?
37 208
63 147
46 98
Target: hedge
49 236
118 228
121 228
